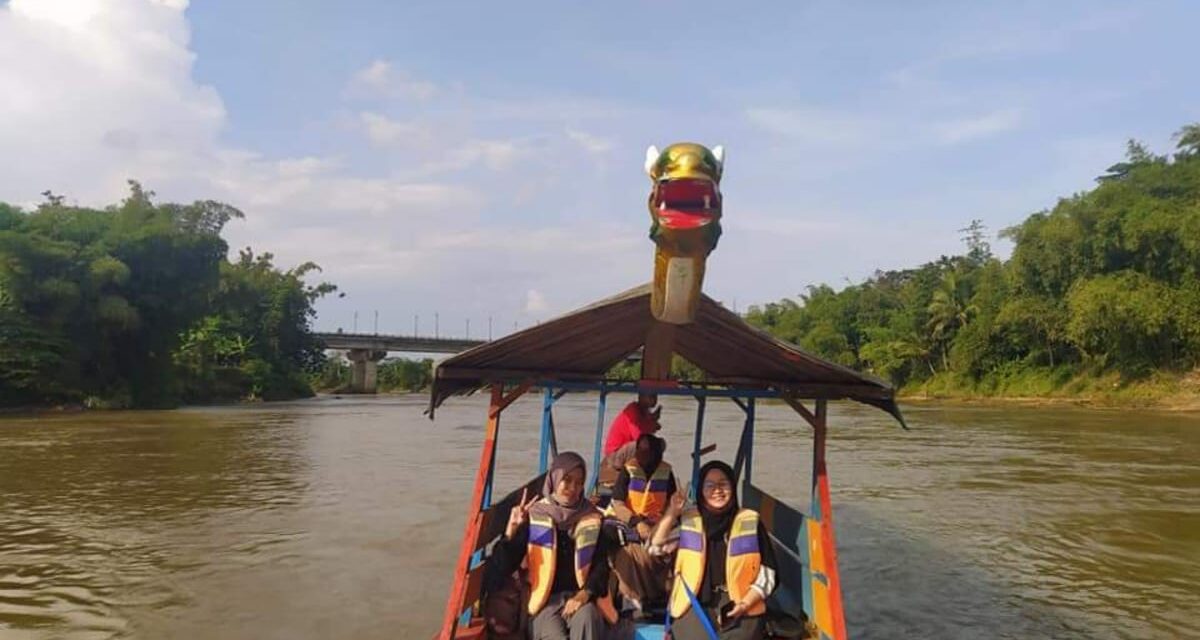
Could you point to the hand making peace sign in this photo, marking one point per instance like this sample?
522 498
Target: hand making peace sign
519 514
677 501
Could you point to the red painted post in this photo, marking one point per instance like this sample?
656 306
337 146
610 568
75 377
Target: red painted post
471 531
828 541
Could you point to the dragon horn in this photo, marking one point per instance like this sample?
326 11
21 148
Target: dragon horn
652 154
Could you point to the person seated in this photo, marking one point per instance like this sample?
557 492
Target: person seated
559 537
638 417
725 559
640 497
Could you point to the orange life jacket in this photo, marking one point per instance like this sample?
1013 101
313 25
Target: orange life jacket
542 555
742 560
648 496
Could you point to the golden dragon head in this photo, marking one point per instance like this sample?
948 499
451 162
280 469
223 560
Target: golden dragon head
685 214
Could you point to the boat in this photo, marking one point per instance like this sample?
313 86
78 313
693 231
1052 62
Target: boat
741 364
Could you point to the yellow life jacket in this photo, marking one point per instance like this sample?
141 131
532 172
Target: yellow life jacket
742 560
648 496
541 556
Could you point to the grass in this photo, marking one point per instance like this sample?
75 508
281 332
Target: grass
1162 390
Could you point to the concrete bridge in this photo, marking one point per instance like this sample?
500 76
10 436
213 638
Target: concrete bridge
365 350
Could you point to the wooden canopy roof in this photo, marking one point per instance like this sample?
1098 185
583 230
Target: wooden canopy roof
584 344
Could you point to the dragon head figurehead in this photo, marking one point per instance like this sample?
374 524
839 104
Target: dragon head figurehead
685 214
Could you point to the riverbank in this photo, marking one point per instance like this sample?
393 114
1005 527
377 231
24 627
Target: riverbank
1160 391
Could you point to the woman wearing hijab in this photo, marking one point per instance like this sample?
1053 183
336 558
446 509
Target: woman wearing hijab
725 559
559 534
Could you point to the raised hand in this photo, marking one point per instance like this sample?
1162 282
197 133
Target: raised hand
677 501
519 514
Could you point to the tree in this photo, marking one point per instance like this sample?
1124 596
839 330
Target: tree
975 237
136 304
949 310
1188 140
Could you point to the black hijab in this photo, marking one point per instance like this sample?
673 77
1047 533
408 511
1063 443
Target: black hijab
656 447
717 524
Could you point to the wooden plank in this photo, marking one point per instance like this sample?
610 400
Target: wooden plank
816 553
524 386
477 630
454 603
496 517
822 609
474 585
799 408
485 375
828 540
787 523
660 345
807 391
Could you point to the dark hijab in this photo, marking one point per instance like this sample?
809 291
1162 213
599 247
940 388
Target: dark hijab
717 523
649 452
564 515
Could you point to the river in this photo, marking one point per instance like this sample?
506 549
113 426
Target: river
341 518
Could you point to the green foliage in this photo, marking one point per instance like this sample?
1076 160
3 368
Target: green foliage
631 370
137 305
1132 321
401 374
1108 281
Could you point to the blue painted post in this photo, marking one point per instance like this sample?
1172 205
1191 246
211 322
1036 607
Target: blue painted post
740 458
696 448
599 440
748 435
547 420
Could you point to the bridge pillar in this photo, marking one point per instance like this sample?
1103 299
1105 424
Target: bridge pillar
364 369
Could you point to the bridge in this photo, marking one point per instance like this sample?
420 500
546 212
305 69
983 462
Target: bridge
365 350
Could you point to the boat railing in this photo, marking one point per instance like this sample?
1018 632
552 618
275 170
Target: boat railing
494 518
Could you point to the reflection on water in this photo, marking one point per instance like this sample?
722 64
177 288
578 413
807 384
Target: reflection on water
340 518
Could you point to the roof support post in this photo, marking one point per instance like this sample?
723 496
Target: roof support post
548 440
599 439
658 348
745 452
822 508
799 408
505 400
696 453
487 460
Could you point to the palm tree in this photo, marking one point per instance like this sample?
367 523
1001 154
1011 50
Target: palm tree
1189 140
949 310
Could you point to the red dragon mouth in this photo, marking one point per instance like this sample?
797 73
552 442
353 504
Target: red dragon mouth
687 203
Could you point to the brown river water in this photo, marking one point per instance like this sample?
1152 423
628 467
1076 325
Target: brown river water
341 518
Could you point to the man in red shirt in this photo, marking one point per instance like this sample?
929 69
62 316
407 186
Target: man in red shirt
638 417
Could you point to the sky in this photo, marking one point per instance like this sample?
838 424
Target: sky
485 160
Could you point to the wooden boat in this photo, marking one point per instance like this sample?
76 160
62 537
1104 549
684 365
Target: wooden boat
741 363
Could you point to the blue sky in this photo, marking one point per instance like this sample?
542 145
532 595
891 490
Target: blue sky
485 159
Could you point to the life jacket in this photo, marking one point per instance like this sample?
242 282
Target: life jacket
742 560
648 496
542 555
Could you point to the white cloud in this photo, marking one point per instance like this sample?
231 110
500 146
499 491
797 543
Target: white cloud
123 104
495 154
589 142
817 126
380 79
385 132
97 92
982 126
535 302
